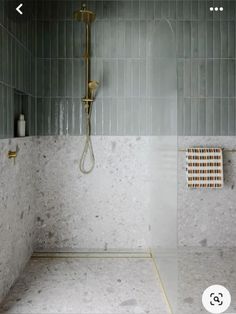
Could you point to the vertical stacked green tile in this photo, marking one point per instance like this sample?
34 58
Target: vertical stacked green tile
17 70
206 68
205 51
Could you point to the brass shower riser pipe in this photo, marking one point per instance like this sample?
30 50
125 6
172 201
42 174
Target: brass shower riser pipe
88 17
87 62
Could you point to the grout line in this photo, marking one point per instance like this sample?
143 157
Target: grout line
135 19
213 70
137 58
16 39
16 88
161 285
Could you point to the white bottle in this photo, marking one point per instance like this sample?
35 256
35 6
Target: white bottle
21 126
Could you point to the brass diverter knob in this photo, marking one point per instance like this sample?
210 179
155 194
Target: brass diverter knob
12 154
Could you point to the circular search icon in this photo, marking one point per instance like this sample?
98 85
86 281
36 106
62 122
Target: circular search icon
216 299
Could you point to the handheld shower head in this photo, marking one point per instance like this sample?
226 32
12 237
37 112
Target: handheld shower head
93 85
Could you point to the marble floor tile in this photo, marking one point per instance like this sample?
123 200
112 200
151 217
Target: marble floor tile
87 286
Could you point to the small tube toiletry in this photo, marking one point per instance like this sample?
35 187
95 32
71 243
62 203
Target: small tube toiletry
21 126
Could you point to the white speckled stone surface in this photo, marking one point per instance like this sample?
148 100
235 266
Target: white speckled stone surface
17 210
197 270
107 209
187 272
207 217
87 286
112 208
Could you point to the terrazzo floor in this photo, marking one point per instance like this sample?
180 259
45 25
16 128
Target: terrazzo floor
87 286
187 272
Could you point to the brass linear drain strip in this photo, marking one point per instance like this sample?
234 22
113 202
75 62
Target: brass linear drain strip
91 255
161 285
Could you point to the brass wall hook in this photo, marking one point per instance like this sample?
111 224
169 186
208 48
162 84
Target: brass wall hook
12 154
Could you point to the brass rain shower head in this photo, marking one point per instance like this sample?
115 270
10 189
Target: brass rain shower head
85 15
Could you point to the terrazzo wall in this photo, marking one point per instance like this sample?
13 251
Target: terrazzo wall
108 209
206 217
17 210
113 207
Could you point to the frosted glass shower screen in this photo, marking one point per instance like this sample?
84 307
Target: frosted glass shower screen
163 101
162 82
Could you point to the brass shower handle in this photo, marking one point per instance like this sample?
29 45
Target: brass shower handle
12 154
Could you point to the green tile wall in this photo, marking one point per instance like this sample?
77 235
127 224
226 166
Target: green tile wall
205 51
17 70
50 49
206 69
